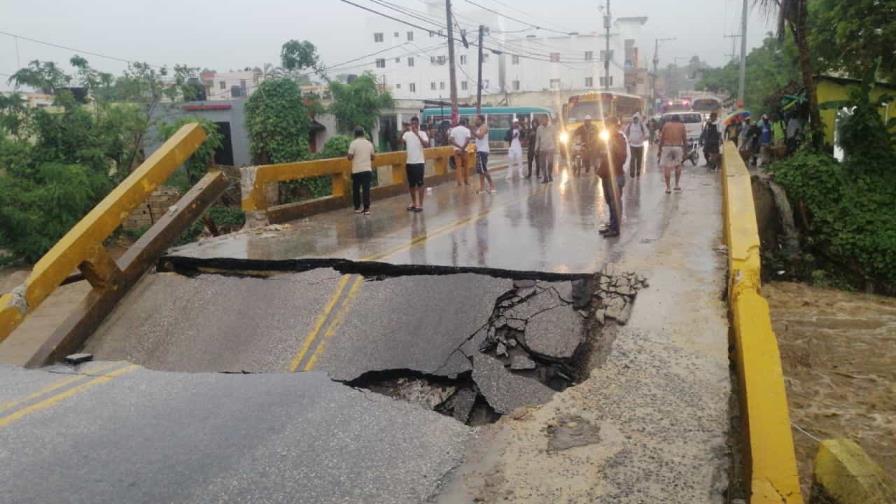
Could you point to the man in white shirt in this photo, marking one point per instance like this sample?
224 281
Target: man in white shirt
515 152
360 153
415 141
482 151
459 136
637 134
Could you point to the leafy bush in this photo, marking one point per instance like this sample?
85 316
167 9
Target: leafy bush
335 147
849 212
36 211
198 163
278 122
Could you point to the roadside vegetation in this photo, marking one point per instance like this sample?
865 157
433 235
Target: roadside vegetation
844 210
57 162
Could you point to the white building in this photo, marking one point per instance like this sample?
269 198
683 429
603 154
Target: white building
229 85
413 64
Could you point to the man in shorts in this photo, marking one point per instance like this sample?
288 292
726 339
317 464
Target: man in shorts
673 139
459 138
415 141
482 150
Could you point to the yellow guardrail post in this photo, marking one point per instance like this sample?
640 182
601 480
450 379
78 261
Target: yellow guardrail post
771 461
82 247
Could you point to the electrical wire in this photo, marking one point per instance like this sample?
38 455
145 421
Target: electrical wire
537 27
80 51
330 67
524 13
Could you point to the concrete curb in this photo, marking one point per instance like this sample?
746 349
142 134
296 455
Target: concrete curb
845 474
770 464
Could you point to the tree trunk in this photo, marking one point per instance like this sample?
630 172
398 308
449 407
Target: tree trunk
800 27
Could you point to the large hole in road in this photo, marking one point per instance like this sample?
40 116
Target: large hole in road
538 340
470 343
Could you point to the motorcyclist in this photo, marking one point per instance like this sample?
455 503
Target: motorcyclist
587 136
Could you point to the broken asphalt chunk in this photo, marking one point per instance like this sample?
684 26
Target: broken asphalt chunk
503 390
555 334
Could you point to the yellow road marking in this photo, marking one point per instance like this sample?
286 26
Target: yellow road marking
318 323
336 322
52 400
53 386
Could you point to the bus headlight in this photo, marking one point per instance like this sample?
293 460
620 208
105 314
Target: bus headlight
564 137
604 135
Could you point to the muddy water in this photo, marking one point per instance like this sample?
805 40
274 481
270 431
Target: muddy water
839 355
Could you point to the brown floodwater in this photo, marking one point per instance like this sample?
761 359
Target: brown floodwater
839 354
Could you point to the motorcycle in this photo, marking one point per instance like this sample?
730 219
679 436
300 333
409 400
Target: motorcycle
693 152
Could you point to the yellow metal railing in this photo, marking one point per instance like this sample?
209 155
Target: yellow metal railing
82 247
256 178
771 461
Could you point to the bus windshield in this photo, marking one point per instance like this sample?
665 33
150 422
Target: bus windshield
706 105
594 109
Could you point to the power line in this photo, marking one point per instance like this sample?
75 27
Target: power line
537 27
67 48
330 67
524 13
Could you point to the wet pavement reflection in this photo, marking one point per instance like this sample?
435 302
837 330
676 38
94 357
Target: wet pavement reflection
525 226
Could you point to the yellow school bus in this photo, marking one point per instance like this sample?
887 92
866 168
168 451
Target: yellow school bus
598 105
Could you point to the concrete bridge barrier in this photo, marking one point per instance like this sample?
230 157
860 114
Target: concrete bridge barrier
770 465
845 474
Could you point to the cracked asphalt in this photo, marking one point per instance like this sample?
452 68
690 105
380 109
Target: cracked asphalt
657 394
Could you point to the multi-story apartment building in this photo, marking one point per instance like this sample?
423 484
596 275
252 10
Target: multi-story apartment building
413 64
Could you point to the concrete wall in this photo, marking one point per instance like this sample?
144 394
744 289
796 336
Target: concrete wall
213 111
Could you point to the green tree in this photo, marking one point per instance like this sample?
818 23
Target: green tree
197 166
296 56
793 16
358 103
278 122
770 67
855 37
44 76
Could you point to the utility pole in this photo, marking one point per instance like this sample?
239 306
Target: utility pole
742 81
656 62
451 70
733 53
479 78
607 51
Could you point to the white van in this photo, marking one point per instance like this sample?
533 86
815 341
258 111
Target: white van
693 123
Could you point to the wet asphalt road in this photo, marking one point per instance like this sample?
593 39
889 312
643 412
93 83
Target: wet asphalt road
273 437
146 436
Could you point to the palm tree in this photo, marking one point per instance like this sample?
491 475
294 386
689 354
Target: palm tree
795 15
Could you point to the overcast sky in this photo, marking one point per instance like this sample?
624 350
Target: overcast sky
231 34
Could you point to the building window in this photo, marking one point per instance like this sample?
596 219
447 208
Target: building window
463 59
603 55
410 61
432 85
589 81
381 63
589 55
398 86
377 37
398 60
442 85
432 59
555 57
463 85
515 60
485 58
516 85
396 34
222 85
410 36
603 81
485 84
432 34
412 87
555 83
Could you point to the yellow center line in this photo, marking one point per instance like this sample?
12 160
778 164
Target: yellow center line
318 323
52 400
55 385
336 322
356 286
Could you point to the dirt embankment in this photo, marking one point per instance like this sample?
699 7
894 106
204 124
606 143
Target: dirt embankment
839 355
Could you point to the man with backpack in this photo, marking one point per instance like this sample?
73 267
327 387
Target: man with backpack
636 133
711 140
